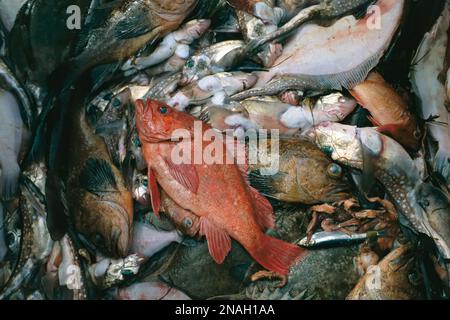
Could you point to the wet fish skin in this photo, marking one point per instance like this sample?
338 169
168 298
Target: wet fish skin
215 88
389 110
155 123
298 67
176 42
429 64
218 57
36 243
305 174
324 239
385 159
8 12
95 194
390 279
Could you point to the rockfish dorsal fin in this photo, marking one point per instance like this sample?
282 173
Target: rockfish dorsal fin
263 210
219 242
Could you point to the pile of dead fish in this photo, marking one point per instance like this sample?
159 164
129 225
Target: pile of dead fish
350 97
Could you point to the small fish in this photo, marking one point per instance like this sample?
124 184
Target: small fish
305 174
262 9
345 60
325 10
193 187
215 88
36 243
327 239
219 57
384 159
176 42
389 111
149 291
394 278
428 66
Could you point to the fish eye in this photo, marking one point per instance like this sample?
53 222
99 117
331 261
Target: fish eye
163 110
136 142
190 63
116 103
334 170
327 149
187 222
145 183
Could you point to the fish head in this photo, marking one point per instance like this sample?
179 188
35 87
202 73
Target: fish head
196 67
157 122
104 208
338 141
194 29
105 221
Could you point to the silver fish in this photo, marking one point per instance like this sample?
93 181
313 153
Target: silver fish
325 239
36 243
219 57
175 43
152 290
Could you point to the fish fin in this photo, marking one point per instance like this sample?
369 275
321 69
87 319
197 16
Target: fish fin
128 28
9 181
129 163
97 176
263 210
350 78
154 191
277 255
219 242
263 183
184 174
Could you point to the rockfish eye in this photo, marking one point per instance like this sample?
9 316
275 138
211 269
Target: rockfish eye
163 110
334 170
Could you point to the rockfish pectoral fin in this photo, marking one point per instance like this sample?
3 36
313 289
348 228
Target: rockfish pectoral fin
98 176
154 191
184 174
263 210
219 242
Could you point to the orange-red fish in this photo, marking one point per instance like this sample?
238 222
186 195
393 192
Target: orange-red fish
389 110
217 193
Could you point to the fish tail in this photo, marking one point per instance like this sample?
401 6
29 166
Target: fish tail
277 255
9 181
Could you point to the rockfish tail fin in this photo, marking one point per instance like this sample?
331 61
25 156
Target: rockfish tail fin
277 255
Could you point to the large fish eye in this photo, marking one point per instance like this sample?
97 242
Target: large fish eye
327 149
334 170
163 110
